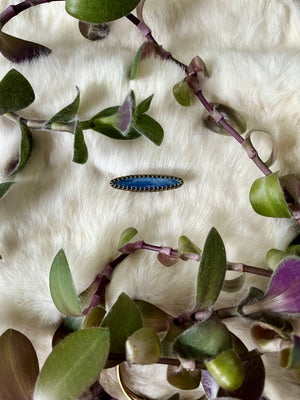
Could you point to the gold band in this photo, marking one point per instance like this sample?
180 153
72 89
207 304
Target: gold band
129 394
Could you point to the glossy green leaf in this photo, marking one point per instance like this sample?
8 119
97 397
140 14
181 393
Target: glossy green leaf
143 347
149 128
16 92
126 236
235 284
80 154
143 106
290 357
62 288
99 11
182 93
25 148
19 50
203 340
19 366
123 319
267 198
268 338
153 317
4 187
182 378
211 271
67 114
231 116
227 369
187 248
94 317
74 364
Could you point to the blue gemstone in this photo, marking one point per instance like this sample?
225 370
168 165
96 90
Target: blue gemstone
146 183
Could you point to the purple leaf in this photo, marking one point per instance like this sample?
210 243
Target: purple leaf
131 248
165 257
19 50
286 275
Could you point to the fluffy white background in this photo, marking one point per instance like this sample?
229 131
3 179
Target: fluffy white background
251 49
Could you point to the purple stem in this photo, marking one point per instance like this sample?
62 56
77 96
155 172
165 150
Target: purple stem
13 10
174 361
198 92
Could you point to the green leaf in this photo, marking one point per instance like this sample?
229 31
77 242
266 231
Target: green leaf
153 317
203 340
19 366
182 378
122 320
149 128
18 50
136 61
143 106
267 198
4 187
16 92
99 11
290 357
80 154
74 364
109 130
235 284
231 116
274 258
25 148
227 369
68 113
143 347
62 288
211 271
187 248
94 317
126 236
182 93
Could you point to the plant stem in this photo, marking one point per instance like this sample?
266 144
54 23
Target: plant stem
174 361
252 153
13 10
42 124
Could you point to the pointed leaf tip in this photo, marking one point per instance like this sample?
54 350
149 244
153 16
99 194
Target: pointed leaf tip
62 288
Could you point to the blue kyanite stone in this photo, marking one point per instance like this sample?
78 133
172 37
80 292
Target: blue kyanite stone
146 183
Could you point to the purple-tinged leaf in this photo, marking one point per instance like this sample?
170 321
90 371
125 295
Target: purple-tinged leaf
290 357
93 31
19 366
166 258
291 183
231 116
147 49
197 66
18 50
209 384
248 145
131 248
283 294
121 119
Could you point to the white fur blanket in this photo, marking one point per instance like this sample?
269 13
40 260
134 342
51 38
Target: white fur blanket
251 49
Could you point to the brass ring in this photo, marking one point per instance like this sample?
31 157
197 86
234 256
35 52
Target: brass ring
129 394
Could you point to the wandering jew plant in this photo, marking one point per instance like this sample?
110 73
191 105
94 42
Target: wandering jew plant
197 346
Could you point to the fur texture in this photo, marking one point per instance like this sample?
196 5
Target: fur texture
252 52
